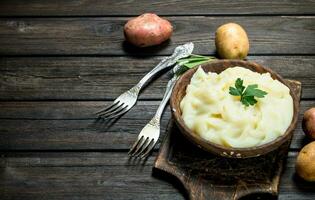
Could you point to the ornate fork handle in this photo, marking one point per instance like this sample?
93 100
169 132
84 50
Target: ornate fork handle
124 102
156 119
179 52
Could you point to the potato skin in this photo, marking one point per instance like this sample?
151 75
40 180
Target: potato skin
147 30
309 123
231 41
305 165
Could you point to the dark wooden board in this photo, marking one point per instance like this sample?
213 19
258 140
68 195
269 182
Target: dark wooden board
136 7
69 125
104 35
100 78
105 175
208 176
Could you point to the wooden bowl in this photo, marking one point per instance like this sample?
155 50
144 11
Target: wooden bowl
179 92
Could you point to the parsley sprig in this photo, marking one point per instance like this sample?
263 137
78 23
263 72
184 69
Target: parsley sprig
247 95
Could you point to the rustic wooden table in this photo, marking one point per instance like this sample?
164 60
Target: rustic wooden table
61 61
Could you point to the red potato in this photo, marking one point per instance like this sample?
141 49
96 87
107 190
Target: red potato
309 123
147 30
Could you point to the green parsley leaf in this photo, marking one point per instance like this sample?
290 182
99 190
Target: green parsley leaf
248 100
239 85
252 90
247 95
234 92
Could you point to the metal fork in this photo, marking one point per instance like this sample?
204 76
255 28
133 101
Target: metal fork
149 135
127 100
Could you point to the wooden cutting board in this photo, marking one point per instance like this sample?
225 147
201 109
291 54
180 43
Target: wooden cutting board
206 176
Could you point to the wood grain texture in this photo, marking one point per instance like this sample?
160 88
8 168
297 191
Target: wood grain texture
105 175
136 7
104 35
104 78
72 126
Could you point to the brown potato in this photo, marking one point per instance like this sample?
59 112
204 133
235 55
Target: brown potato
147 30
305 163
309 123
231 41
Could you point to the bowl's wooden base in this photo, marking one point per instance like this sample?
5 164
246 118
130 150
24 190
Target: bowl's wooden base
206 176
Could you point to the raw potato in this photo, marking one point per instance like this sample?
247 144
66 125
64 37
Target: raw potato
231 41
309 123
305 163
147 30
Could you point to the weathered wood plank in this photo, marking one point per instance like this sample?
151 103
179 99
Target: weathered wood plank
98 78
136 7
80 131
105 175
72 126
104 36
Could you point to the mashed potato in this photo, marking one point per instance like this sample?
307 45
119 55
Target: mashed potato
211 112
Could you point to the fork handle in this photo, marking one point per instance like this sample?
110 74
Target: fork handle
166 97
165 63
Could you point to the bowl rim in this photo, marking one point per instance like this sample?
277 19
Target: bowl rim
233 151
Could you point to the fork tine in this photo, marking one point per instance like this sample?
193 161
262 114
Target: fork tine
150 147
108 108
116 112
144 146
139 148
135 144
110 112
124 110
